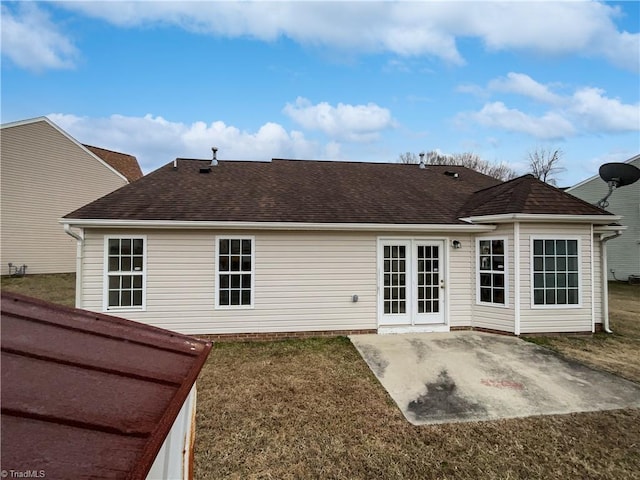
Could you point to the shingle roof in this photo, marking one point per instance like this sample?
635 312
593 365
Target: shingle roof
126 164
528 195
86 395
292 191
323 192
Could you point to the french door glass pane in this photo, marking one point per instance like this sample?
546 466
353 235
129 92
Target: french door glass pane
428 279
394 263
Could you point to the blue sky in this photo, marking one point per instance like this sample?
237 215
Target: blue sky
362 81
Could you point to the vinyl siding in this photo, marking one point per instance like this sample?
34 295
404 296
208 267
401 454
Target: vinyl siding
461 283
495 317
303 282
45 175
559 319
623 253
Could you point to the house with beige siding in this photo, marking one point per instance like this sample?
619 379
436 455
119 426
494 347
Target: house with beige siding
300 247
45 174
623 253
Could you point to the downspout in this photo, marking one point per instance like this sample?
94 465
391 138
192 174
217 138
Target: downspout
516 279
593 283
605 285
79 249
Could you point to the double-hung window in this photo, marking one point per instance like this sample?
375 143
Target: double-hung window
234 272
556 275
125 273
492 268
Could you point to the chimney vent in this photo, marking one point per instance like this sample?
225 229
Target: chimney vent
422 160
214 159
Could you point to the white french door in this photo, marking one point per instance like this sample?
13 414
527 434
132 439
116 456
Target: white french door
411 282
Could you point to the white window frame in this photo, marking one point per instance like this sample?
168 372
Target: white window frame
567 306
252 272
107 274
505 272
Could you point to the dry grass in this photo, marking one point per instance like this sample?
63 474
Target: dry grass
618 353
58 287
313 409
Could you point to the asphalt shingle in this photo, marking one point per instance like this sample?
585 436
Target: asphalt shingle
323 192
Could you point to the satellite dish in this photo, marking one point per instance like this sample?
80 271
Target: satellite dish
617 175
620 173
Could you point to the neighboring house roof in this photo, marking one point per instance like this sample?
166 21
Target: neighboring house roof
325 192
126 164
86 394
526 195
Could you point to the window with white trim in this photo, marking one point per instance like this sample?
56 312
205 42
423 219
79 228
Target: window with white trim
234 272
556 277
125 273
491 278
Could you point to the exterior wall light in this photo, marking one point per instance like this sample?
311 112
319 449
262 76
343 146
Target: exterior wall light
456 244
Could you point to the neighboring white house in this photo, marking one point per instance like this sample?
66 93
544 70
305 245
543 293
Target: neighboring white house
305 247
623 253
45 174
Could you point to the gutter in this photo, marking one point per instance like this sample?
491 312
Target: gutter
293 226
605 286
79 251
542 218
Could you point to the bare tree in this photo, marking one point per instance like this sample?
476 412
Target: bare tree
501 171
408 157
544 164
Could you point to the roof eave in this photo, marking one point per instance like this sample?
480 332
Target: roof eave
609 228
542 218
209 225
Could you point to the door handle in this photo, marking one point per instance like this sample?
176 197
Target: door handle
441 283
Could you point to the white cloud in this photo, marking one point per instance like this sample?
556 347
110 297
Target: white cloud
587 110
156 141
496 115
32 41
522 84
403 28
600 113
355 123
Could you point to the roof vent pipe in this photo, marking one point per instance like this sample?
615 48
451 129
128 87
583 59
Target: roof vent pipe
422 160
214 160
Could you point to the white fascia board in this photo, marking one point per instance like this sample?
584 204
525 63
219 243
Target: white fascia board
609 228
363 227
27 121
542 218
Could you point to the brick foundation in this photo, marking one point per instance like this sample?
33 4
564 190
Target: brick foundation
270 336
481 329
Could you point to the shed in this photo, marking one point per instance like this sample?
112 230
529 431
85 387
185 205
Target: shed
87 395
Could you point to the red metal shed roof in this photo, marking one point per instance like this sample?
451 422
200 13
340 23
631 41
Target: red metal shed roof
87 395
